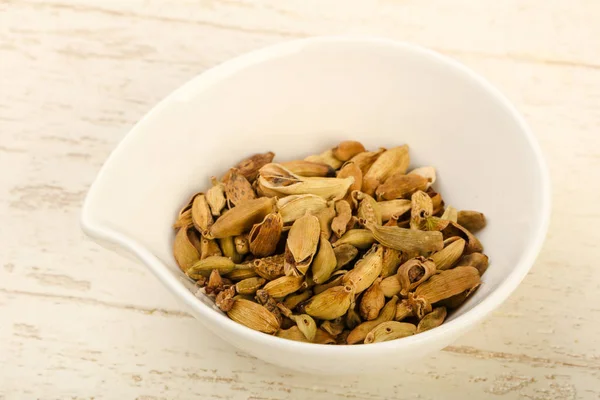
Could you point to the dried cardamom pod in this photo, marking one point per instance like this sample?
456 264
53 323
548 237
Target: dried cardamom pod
359 238
292 333
390 330
352 319
473 245
391 259
326 157
215 197
185 214
241 218
347 149
240 274
270 267
343 216
215 283
264 236
263 298
441 286
365 160
351 169
413 273
359 333
366 270
201 216
407 240
291 301
225 299
311 213
393 208
344 253
249 285
209 248
228 248
325 217
249 167
471 220
436 224
205 266
309 168
302 242
284 285
254 316
184 220
335 280
372 301
449 255
450 214
437 201
330 304
306 324
400 186
324 262
294 207
274 179
368 209
237 188
457 300
421 209
432 320
425 172
477 260
333 327
242 245
403 310
323 337
390 286
392 161
186 254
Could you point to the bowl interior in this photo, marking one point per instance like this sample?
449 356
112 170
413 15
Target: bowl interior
302 99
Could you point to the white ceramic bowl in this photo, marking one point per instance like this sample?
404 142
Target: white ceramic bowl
296 99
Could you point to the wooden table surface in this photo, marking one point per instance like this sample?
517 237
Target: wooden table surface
77 322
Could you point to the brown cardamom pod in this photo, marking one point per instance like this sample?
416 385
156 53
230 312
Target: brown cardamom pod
366 270
186 254
359 333
264 236
471 220
347 149
249 167
401 186
477 260
372 301
414 272
330 304
392 161
254 316
309 168
390 330
442 286
432 320
241 218
269 267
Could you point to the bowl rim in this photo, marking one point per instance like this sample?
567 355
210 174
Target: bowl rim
220 72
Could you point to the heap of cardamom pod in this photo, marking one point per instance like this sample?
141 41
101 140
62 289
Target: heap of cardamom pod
344 247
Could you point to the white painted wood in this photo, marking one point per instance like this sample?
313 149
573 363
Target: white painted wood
78 322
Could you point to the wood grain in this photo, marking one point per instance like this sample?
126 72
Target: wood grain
78 322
